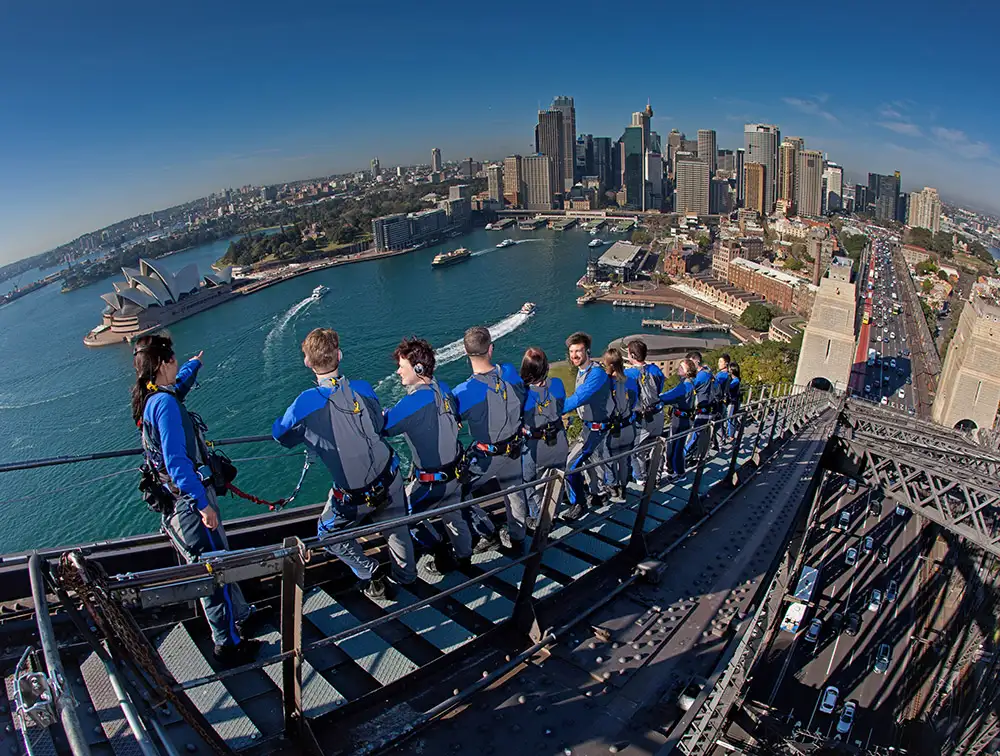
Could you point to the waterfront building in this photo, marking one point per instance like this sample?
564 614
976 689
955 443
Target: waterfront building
566 106
691 185
494 176
550 140
925 210
707 150
761 143
785 291
391 232
833 191
539 179
886 198
458 209
513 181
623 259
809 201
968 393
754 182
436 165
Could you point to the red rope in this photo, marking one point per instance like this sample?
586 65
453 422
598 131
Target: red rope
272 505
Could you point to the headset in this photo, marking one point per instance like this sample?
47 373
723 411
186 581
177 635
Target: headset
418 368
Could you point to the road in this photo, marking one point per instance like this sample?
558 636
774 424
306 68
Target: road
797 671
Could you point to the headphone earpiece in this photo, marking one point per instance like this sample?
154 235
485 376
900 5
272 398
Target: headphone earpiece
418 368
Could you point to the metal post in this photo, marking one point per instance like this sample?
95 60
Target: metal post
135 723
64 702
694 500
737 443
524 617
762 419
637 543
778 407
292 588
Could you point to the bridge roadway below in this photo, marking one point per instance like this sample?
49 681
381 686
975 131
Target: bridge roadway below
612 681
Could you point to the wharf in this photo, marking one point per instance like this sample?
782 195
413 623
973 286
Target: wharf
562 224
681 326
501 224
625 225
530 224
594 225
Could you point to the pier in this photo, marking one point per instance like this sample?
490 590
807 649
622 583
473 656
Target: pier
632 303
530 224
562 224
500 225
685 326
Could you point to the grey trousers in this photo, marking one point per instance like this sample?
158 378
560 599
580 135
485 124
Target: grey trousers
492 475
341 515
424 496
617 472
646 432
226 606
538 458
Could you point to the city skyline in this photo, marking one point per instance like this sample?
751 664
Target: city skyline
113 122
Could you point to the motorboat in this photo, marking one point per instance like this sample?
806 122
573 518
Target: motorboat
528 308
319 291
506 243
596 243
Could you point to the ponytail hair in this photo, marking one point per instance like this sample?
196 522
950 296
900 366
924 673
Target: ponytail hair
614 363
148 355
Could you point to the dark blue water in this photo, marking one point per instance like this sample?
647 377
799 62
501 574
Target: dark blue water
59 397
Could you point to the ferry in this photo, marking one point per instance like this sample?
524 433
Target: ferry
528 308
506 243
319 291
596 242
450 258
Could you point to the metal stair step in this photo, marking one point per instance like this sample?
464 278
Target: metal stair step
38 738
318 695
480 598
107 708
565 563
368 650
427 622
595 547
544 585
184 660
626 517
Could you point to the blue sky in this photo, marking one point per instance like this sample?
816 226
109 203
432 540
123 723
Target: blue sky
113 109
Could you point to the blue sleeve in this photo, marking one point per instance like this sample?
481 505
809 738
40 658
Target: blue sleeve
509 373
558 393
632 372
594 382
185 377
703 376
721 377
678 392
658 376
397 419
530 401
173 444
468 394
289 430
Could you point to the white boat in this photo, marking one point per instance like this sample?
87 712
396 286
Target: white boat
506 243
528 308
596 242
319 291
489 226
593 231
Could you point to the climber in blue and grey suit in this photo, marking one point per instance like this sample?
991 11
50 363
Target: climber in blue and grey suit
649 412
703 383
427 417
341 421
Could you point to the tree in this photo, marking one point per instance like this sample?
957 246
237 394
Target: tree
942 243
641 236
926 285
704 242
757 316
854 244
925 267
798 249
794 263
943 276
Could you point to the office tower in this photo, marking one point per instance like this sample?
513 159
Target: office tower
720 201
833 190
540 173
902 207
969 390
633 167
674 139
566 106
726 161
691 179
494 177
584 155
436 164
654 181
603 162
466 168
761 142
809 201
616 166
788 162
690 145
707 150
376 168
925 210
741 183
513 184
887 198
861 198
550 140
754 183
873 184
643 118
655 143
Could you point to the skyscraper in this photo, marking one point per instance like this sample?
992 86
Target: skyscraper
887 197
436 164
861 198
376 168
550 140
761 142
674 139
754 183
925 210
902 207
726 161
741 179
833 194
654 180
566 106
691 179
788 162
584 155
633 167
539 178
707 149
513 181
494 176
809 201
603 162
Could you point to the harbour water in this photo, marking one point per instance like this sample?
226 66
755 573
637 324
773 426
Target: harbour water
59 397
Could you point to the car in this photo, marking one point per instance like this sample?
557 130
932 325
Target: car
908 380
868 388
892 591
828 700
815 628
869 544
883 657
901 511
885 329
906 352
845 518
852 485
885 400
892 362
836 622
875 509
883 553
885 339
901 394
875 603
878 383
690 694
851 556
892 334
846 721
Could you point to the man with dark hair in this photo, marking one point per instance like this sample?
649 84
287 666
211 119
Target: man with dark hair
593 402
720 396
703 401
427 417
341 422
649 409
491 402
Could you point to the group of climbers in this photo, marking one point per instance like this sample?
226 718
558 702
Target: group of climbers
514 419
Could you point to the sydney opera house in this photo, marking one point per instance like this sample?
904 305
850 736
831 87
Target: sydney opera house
152 297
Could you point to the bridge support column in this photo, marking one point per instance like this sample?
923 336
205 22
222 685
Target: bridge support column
637 543
524 617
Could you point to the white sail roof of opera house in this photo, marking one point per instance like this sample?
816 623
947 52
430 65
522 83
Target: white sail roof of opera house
151 285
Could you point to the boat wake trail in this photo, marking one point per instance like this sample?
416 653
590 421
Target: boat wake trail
390 390
479 252
283 322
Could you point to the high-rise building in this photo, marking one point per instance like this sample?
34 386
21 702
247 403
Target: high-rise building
436 164
540 180
788 163
873 185
691 180
754 183
741 179
494 177
566 106
887 198
833 191
391 231
902 207
467 168
376 168
550 140
726 161
603 162
761 142
925 210
707 150
674 139
969 390
633 179
809 201
862 198
643 119
720 200
513 184
584 155
654 180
